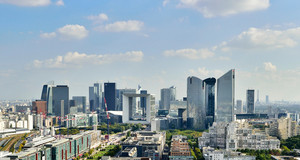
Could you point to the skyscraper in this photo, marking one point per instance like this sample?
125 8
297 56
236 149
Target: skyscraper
210 101
80 102
120 93
98 97
143 101
195 103
239 106
257 100
250 101
47 96
166 96
95 97
92 98
60 100
110 95
225 97
267 99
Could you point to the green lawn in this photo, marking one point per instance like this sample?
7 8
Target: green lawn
102 153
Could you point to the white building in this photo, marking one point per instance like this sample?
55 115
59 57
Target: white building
128 109
235 135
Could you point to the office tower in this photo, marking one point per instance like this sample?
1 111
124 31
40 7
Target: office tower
60 94
95 98
92 98
267 99
195 103
210 101
250 101
143 101
239 107
225 97
80 103
110 95
47 96
98 97
257 100
166 96
120 92
39 107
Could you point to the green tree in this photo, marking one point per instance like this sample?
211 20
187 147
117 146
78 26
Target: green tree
198 154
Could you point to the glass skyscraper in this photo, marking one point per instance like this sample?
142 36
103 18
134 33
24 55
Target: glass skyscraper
60 94
110 95
80 102
250 101
166 96
195 103
47 96
95 97
225 97
210 101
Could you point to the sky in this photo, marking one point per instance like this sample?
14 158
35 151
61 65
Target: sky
152 43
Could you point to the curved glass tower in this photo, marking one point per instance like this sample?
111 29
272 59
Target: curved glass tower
195 103
210 101
225 97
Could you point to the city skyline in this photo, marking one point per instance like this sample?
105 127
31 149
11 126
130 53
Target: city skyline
155 44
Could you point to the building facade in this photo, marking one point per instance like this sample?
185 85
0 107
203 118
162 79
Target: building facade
196 114
250 101
225 97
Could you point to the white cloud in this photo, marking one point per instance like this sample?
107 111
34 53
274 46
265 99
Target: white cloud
190 53
27 3
213 8
75 59
98 18
165 2
60 3
73 32
256 38
203 73
68 32
122 26
268 66
48 35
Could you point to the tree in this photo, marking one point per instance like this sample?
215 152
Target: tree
199 154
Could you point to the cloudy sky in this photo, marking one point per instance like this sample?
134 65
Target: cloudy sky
154 43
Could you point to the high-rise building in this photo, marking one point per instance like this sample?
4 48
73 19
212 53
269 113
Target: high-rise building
110 95
80 103
95 97
250 101
210 101
120 92
39 107
267 99
143 102
166 96
225 97
257 100
60 100
98 97
47 96
195 103
92 98
239 107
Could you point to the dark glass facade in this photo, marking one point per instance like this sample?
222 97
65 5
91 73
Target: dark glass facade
210 101
110 95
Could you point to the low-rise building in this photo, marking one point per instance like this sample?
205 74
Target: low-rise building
148 144
235 135
180 148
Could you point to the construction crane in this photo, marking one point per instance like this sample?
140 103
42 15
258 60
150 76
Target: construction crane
107 136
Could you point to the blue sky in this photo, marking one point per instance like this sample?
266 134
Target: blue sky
154 43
